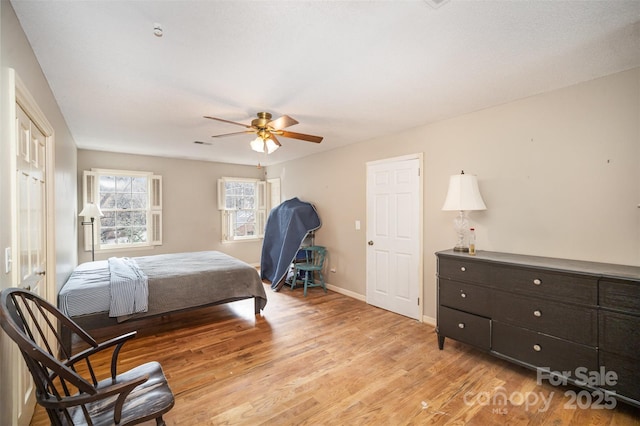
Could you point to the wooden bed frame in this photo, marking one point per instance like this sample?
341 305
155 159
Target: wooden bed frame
103 320
201 279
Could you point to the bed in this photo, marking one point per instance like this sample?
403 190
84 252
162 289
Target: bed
174 282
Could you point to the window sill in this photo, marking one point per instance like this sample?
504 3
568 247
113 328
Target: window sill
244 240
120 249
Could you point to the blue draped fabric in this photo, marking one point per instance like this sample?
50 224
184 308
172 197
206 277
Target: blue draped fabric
286 228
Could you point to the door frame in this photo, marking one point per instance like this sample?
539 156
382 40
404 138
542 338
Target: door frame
22 97
28 103
420 279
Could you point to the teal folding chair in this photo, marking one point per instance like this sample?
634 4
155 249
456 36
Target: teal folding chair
313 262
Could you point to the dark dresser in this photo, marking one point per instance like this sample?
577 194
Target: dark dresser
544 313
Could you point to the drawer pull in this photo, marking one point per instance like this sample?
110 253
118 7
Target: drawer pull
463 294
462 268
537 281
537 313
537 348
461 325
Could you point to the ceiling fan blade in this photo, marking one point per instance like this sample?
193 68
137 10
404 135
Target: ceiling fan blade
301 136
282 122
273 137
227 121
234 133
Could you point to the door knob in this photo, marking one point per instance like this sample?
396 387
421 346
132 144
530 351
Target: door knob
370 242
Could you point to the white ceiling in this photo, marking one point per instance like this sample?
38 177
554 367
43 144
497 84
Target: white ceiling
346 70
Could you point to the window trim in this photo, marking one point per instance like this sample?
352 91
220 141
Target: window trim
90 191
225 214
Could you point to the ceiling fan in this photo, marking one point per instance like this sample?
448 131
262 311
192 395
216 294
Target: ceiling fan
268 131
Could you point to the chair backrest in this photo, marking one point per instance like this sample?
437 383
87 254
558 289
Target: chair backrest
32 323
316 255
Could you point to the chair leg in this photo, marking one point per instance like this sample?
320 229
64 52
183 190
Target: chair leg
306 281
324 287
160 421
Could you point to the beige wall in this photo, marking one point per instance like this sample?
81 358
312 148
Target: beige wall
559 172
16 53
190 215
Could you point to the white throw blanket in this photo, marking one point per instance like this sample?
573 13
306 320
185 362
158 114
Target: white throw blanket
128 286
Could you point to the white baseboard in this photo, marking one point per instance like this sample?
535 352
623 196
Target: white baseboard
351 294
425 319
429 320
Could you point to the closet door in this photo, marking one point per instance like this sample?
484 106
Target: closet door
30 251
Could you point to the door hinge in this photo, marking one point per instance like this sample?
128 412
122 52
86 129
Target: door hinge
418 301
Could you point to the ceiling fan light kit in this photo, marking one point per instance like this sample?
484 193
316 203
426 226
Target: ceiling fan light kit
263 145
267 131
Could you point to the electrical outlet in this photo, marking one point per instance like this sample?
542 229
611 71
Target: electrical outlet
7 260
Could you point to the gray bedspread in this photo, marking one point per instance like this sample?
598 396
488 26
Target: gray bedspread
185 280
175 281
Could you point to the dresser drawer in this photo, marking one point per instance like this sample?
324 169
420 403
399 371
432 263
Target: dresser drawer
568 287
628 372
540 350
569 322
620 295
465 297
620 333
462 269
472 329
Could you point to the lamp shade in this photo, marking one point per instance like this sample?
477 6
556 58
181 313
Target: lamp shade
91 210
463 194
271 145
257 144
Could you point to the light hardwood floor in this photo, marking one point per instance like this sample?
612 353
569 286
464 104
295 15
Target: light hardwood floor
328 359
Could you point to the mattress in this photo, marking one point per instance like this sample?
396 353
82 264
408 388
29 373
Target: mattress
176 281
87 290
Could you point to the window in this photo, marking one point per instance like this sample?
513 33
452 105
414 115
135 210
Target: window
131 203
242 203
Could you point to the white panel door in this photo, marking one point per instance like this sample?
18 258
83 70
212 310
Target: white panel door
394 264
31 242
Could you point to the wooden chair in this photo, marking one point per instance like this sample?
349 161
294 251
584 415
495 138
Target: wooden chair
132 397
314 262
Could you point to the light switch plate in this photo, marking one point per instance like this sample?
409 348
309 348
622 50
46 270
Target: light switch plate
357 225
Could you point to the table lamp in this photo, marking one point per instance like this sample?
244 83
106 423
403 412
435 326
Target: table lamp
463 196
